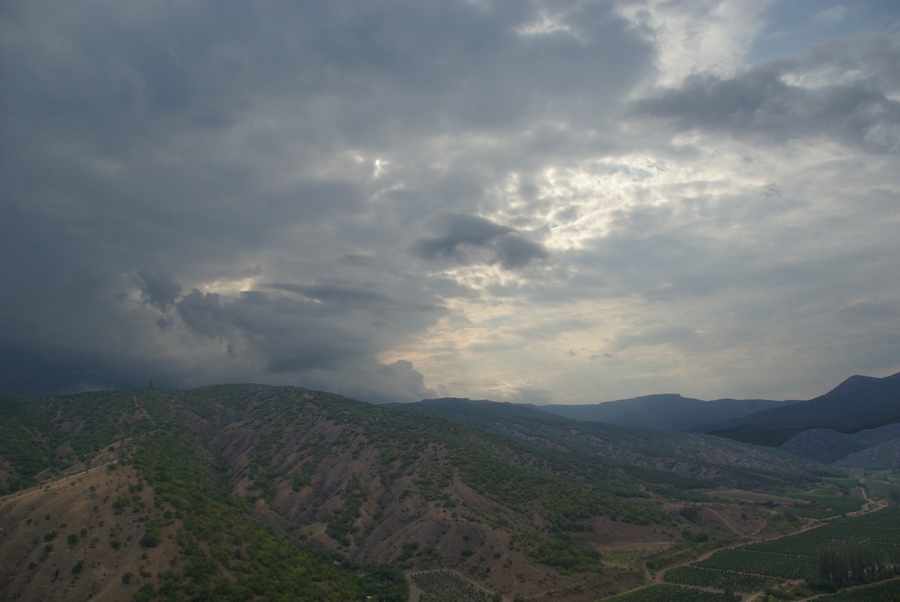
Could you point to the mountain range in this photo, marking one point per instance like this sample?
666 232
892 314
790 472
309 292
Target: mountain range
859 403
664 412
251 491
849 427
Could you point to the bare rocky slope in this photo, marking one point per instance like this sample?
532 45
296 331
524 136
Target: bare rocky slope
277 492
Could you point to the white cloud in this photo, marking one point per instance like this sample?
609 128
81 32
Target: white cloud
701 36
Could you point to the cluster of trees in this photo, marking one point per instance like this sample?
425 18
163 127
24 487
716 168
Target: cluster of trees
24 424
31 430
342 521
217 535
857 564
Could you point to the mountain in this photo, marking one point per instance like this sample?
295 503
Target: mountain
881 456
871 449
132 503
666 462
664 412
858 403
249 491
823 445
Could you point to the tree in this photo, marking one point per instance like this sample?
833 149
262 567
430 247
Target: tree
894 495
833 567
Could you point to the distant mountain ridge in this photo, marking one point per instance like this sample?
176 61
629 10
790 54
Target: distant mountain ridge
859 403
690 455
854 425
664 412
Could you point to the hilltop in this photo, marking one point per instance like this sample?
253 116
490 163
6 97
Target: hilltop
664 412
284 492
859 403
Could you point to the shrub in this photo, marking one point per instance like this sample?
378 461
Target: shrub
151 537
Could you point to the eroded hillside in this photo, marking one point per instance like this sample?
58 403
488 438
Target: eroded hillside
284 492
78 537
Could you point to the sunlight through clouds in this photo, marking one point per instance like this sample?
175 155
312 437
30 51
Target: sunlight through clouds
526 201
706 36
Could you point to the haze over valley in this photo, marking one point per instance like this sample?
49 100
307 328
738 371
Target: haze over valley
242 491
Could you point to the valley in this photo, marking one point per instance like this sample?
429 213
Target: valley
261 492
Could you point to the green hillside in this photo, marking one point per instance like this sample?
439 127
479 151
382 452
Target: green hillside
284 493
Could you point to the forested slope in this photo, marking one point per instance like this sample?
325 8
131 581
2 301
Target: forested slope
286 493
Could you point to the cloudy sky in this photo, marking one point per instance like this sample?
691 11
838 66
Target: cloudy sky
538 201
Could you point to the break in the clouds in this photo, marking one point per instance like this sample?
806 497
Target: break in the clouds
528 201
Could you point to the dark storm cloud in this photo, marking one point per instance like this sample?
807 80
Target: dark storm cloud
279 326
471 239
160 288
206 313
329 335
287 192
179 136
340 296
287 340
771 100
457 64
515 251
45 369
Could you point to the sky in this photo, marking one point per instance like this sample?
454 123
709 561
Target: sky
527 201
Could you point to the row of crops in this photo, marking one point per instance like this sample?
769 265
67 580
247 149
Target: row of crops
825 506
702 577
444 586
800 556
663 592
869 593
778 565
881 529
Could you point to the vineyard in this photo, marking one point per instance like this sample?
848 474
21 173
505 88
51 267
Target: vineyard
750 568
774 565
880 591
443 586
702 577
663 592
824 506
800 556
